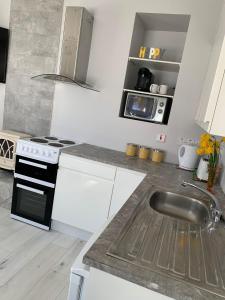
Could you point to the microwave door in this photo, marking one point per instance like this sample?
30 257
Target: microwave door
154 109
139 107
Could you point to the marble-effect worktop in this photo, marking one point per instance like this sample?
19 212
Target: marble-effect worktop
164 176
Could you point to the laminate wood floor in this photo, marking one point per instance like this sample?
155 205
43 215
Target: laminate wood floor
34 264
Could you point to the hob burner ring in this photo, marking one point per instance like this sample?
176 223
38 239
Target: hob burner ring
67 142
37 140
57 145
51 138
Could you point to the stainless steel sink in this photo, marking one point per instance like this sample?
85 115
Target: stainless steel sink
165 235
180 207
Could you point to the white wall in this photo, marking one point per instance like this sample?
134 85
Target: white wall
93 117
4 22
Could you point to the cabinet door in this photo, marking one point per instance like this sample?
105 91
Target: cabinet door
102 286
218 124
81 200
212 86
125 183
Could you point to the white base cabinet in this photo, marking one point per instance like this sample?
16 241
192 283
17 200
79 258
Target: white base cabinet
102 286
88 192
82 198
126 182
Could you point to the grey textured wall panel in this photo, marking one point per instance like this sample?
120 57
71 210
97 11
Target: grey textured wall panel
34 45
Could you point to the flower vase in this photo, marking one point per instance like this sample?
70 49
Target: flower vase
212 172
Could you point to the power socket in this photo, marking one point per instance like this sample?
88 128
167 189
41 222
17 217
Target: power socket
161 137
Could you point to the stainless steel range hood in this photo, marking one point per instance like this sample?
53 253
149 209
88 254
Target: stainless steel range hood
64 79
75 44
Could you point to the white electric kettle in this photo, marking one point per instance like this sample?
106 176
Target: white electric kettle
188 157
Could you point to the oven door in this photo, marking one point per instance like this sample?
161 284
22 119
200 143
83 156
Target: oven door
32 168
32 203
140 107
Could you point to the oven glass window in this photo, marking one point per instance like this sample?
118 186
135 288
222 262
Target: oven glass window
31 204
140 106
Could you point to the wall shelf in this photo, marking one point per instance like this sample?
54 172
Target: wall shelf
161 65
146 93
165 31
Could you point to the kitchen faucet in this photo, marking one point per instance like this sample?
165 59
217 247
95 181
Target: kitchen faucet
215 205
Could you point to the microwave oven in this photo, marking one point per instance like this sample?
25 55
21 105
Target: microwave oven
147 108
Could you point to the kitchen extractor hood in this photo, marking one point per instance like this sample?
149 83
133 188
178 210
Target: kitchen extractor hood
75 44
64 79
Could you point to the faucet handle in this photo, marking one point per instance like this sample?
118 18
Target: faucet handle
211 227
217 215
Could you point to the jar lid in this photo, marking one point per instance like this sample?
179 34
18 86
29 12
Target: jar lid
144 147
157 150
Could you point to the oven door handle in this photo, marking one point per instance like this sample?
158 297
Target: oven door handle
30 163
27 188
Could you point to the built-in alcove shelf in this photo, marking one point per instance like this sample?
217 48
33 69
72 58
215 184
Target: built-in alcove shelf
161 65
146 93
151 30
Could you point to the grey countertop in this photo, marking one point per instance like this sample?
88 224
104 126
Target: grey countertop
209 283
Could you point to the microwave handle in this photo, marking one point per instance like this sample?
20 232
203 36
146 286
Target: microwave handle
27 188
154 108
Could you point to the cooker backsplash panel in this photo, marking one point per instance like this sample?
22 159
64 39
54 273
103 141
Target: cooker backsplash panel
34 44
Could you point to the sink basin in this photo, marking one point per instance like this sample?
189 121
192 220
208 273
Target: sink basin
180 207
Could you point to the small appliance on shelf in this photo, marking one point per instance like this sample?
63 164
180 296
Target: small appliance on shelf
144 80
147 108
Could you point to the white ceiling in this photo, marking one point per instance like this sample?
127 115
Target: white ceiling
165 22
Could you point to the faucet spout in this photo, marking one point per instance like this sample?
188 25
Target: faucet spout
214 200
217 211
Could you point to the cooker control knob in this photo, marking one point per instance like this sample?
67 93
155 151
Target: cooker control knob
160 111
161 104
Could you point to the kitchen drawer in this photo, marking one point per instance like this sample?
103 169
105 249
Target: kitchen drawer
87 166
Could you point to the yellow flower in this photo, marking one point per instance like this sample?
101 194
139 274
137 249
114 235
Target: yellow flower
208 145
200 151
223 140
209 150
205 137
204 144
